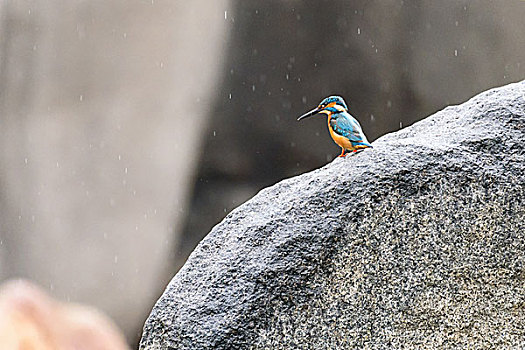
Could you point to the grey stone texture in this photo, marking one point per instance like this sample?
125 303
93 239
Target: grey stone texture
416 243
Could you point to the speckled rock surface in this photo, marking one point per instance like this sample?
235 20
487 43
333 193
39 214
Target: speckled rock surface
417 243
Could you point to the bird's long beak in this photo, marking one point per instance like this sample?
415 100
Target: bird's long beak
311 113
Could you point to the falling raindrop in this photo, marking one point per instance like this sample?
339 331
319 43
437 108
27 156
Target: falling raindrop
358 31
225 14
455 52
400 125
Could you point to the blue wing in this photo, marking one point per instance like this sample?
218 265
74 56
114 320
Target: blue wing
345 125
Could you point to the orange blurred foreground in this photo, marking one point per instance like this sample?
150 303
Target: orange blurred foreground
32 320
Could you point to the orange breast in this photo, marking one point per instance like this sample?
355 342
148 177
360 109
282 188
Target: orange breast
340 140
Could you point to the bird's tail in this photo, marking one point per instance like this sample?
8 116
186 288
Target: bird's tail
363 145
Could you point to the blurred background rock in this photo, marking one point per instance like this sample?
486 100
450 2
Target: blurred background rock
103 107
130 128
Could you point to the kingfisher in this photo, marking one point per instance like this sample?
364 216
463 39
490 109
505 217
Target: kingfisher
344 129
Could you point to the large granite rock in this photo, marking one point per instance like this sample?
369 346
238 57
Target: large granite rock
419 242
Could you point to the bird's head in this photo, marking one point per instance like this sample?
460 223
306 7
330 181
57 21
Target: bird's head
332 104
